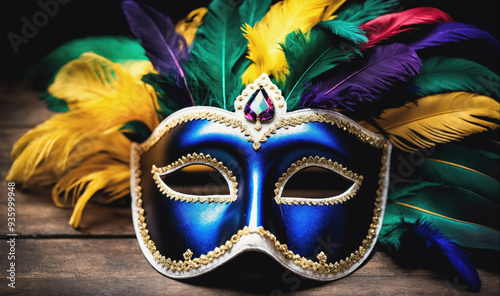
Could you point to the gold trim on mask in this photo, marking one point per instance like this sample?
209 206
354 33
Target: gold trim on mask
284 122
321 162
196 158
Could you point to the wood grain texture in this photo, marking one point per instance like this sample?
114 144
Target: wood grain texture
116 266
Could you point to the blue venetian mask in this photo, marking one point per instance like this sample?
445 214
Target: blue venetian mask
257 150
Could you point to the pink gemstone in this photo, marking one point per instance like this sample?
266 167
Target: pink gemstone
259 106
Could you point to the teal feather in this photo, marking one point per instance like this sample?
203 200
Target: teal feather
170 93
360 13
309 56
136 131
346 30
465 216
218 48
118 49
469 168
444 74
54 104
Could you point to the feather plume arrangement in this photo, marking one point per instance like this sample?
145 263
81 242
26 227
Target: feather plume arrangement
68 149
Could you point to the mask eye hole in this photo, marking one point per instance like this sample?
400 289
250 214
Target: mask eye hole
316 181
196 178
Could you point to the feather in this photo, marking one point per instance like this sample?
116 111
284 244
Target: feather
98 173
309 56
282 19
252 11
165 48
360 13
218 47
389 25
469 168
346 30
439 118
115 48
420 242
466 216
453 32
169 93
188 26
96 91
366 80
443 74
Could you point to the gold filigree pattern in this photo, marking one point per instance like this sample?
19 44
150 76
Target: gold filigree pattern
195 115
283 123
196 158
321 266
321 162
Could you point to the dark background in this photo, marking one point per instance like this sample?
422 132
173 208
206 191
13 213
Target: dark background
79 18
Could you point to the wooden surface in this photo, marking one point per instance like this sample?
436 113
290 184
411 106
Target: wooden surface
103 257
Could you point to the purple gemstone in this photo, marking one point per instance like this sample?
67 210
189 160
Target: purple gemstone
259 106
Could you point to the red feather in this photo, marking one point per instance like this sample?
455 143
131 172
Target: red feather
388 25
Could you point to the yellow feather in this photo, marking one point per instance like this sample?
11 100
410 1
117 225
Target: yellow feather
74 148
99 173
439 118
283 18
188 26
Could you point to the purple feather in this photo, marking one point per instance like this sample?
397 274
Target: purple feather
421 243
453 32
364 81
164 46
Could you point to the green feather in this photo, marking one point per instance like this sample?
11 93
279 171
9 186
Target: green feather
53 103
115 48
252 11
360 13
444 74
472 169
349 31
308 56
218 50
466 217
170 96
136 131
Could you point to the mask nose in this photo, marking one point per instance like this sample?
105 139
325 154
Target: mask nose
261 209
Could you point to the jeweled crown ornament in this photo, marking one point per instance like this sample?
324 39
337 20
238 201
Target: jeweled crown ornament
259 107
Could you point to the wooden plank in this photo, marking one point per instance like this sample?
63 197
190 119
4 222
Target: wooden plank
36 215
117 266
20 107
9 136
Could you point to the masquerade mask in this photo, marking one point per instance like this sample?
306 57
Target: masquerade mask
139 116
258 149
